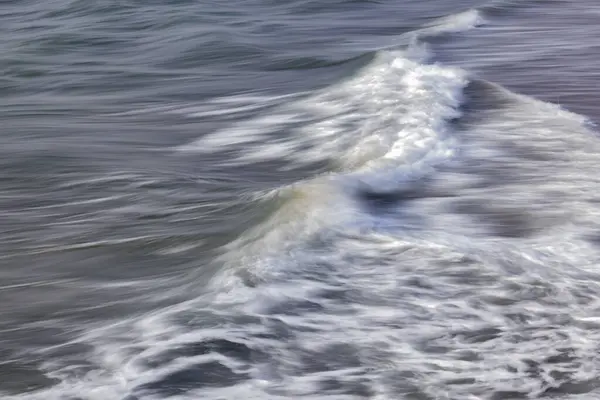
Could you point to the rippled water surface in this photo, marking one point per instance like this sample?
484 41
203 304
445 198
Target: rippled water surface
299 199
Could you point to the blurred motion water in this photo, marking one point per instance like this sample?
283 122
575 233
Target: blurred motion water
346 199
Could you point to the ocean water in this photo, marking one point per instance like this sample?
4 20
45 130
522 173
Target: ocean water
299 199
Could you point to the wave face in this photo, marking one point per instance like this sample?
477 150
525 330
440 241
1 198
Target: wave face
398 228
394 112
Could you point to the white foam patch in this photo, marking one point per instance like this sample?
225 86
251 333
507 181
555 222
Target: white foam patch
454 23
394 110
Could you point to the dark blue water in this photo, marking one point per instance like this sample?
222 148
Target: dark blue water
299 199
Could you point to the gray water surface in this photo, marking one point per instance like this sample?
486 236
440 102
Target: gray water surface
299 199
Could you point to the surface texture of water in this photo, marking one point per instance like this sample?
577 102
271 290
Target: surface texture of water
299 199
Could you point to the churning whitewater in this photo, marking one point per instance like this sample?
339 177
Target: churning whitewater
409 230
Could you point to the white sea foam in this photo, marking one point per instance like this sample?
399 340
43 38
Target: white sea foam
459 22
393 113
